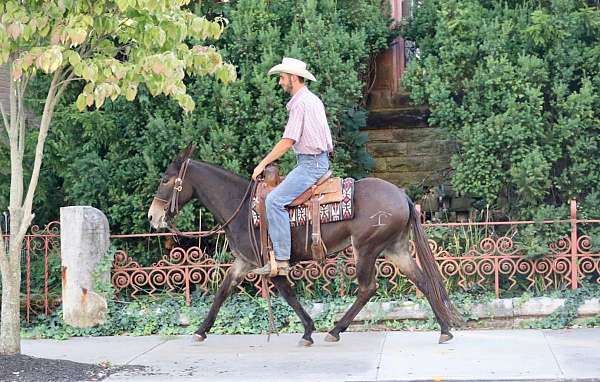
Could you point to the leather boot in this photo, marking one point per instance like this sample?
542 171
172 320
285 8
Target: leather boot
283 268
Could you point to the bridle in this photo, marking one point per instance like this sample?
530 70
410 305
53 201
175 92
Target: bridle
172 203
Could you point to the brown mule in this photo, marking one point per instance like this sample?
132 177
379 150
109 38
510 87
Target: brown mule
382 222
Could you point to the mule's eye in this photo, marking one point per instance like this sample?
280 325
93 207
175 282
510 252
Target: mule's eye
164 179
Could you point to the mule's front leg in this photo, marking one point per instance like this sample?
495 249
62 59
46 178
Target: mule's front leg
239 269
286 291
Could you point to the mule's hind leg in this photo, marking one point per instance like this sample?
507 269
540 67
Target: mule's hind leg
400 256
239 269
286 291
367 286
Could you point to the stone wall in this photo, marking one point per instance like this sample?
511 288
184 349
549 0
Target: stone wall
406 150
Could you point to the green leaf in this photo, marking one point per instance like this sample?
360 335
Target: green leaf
77 36
215 30
87 20
100 94
81 102
90 72
72 57
11 7
186 102
122 5
43 32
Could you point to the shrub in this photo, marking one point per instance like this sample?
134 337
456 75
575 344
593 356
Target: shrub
517 85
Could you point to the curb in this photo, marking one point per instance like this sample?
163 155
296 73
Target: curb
499 309
504 308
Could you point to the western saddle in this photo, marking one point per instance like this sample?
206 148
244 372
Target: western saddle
325 190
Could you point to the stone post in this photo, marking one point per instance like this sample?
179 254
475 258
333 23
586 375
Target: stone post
84 240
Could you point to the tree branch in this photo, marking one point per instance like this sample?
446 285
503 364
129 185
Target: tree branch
4 118
3 256
13 102
24 83
66 82
69 77
65 74
21 116
16 160
3 251
62 86
25 223
51 100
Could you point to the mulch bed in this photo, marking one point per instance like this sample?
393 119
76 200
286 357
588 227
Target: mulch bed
23 368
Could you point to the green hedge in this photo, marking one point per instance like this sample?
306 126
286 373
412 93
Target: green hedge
517 84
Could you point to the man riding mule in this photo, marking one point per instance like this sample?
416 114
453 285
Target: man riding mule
308 133
383 217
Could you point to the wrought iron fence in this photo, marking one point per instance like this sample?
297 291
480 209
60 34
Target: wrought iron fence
489 259
496 260
41 258
482 255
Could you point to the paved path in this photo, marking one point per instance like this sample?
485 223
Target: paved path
371 356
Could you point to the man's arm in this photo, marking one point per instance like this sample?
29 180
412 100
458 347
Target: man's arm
278 150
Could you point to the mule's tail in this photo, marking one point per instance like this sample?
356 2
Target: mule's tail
433 279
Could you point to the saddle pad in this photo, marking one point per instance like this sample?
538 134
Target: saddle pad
330 212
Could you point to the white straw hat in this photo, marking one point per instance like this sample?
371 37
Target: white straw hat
292 66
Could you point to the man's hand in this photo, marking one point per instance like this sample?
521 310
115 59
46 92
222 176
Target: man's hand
278 150
258 170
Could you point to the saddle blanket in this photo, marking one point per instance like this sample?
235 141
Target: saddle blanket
330 212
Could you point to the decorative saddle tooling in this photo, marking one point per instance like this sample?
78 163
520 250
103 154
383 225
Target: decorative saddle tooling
328 200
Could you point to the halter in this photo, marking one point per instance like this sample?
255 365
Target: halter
173 202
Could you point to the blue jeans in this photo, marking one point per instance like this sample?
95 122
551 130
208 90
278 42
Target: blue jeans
309 169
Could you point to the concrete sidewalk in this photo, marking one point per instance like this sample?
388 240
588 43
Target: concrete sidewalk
370 356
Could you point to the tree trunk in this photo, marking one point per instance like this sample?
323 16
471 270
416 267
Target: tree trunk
19 208
10 339
10 324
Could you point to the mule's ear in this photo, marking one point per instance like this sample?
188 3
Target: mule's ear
189 150
186 153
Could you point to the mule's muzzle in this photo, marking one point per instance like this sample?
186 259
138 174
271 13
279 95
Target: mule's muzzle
157 214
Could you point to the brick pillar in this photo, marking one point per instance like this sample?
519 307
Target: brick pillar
389 66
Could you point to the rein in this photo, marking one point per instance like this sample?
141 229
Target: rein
256 250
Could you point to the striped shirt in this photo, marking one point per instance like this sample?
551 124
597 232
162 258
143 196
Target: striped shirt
307 124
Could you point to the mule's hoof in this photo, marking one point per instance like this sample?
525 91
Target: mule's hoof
331 338
198 338
305 343
445 337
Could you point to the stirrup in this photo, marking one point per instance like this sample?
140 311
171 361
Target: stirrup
269 270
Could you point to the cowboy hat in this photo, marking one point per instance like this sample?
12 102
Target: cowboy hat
292 66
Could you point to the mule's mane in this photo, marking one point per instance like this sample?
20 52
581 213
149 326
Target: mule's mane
221 171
